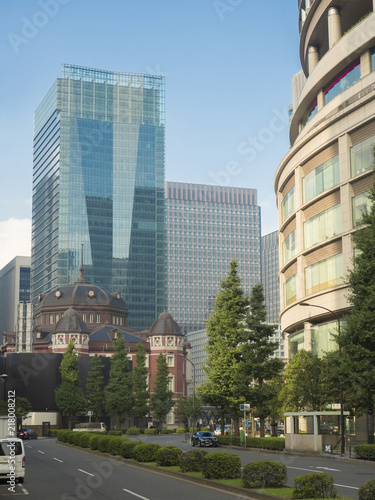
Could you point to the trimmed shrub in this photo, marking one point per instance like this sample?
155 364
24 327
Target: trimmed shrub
93 442
180 430
103 443
167 431
367 490
168 456
71 437
270 443
146 452
365 451
221 465
205 429
114 445
127 448
62 435
192 460
53 433
314 485
264 474
115 433
76 438
151 431
85 440
133 431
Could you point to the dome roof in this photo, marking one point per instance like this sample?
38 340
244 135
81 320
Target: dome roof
81 294
71 323
165 325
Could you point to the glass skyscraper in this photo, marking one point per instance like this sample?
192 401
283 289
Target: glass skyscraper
98 180
208 227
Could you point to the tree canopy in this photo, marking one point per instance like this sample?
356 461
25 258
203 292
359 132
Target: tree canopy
161 401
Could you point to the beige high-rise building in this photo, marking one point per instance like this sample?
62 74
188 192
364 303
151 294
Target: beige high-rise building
323 180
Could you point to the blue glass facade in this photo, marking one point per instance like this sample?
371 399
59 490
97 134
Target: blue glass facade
99 180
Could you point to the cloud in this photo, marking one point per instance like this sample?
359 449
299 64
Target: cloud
15 239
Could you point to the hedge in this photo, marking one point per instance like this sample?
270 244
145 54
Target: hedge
85 440
115 433
133 431
93 443
365 451
151 431
264 474
269 443
192 460
221 465
115 445
167 456
167 431
146 452
127 448
103 444
367 491
180 430
314 485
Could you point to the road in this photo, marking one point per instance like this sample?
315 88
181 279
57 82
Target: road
55 472
348 475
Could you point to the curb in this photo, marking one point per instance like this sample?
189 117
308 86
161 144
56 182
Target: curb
208 483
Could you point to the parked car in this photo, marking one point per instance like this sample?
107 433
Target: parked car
203 438
32 434
23 434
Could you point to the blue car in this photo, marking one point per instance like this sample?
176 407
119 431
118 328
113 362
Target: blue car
203 438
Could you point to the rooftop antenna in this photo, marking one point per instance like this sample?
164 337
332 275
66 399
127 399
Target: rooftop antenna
81 271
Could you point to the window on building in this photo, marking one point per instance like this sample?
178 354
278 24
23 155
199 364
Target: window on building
171 383
51 319
323 226
322 339
97 317
361 157
91 318
310 112
345 79
290 246
360 204
84 318
296 343
170 360
322 178
288 203
324 274
290 290
170 418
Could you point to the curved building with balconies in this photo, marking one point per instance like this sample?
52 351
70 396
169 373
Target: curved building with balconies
323 180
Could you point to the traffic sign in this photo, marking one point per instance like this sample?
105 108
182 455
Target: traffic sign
244 407
332 406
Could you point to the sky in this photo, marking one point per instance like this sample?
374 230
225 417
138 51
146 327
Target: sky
228 66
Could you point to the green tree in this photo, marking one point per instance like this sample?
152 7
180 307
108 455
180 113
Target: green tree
69 396
225 329
256 365
304 386
95 387
184 409
22 409
119 391
357 339
161 401
140 384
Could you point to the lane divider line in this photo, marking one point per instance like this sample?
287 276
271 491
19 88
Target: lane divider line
344 486
135 494
42 452
58 460
85 472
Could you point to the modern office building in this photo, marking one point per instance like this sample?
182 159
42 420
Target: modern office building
322 182
270 271
208 227
98 180
14 288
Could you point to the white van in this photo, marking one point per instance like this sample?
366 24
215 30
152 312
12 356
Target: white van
12 460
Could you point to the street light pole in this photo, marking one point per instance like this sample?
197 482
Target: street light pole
193 365
340 382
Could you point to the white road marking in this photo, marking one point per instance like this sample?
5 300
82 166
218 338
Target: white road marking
42 452
135 494
24 490
88 473
29 446
344 486
300 468
58 460
327 468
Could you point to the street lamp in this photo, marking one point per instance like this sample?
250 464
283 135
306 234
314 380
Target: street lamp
341 395
193 365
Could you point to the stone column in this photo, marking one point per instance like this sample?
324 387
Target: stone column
313 57
334 26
